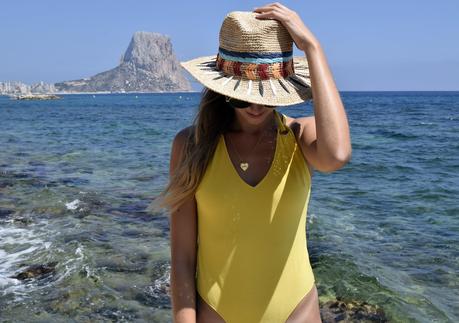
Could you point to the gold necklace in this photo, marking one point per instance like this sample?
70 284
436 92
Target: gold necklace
244 165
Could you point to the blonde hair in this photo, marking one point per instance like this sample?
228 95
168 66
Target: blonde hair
213 118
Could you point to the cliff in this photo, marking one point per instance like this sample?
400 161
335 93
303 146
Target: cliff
148 65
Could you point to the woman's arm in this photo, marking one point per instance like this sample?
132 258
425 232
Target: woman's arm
183 233
324 138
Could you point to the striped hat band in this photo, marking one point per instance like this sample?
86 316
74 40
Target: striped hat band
255 66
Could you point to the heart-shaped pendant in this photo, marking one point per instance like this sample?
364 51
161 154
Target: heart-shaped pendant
244 166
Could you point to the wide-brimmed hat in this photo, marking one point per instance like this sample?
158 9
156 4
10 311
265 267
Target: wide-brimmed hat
254 63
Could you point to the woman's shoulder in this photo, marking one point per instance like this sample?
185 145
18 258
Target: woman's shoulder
183 134
185 131
297 124
180 140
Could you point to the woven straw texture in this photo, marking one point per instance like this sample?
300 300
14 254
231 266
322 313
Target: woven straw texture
254 63
242 32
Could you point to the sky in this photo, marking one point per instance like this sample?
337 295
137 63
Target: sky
369 45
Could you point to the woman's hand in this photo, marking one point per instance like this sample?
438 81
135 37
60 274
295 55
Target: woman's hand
301 35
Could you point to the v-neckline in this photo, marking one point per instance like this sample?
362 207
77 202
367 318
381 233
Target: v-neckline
271 166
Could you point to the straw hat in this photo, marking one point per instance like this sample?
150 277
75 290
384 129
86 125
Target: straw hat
254 63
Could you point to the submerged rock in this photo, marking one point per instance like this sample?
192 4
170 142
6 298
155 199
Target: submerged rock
36 271
23 220
158 293
5 212
128 263
351 311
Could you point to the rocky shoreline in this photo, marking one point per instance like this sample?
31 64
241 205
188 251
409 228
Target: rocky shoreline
35 97
335 310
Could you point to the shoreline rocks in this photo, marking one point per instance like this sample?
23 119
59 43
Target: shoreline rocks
35 97
36 271
343 311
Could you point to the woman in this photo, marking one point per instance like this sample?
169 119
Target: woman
241 174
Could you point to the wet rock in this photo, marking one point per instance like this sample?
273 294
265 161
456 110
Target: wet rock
85 272
19 175
340 310
5 212
52 184
115 314
158 293
85 205
130 196
67 302
36 271
134 209
86 170
8 178
48 210
93 200
5 182
124 263
79 236
36 97
36 163
73 181
22 154
133 233
22 220
144 178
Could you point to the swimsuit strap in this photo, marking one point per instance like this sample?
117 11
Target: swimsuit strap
280 119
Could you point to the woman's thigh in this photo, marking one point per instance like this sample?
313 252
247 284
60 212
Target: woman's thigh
307 310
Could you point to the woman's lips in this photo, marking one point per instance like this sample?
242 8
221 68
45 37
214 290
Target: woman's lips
254 115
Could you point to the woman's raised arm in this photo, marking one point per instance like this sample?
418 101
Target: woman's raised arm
325 138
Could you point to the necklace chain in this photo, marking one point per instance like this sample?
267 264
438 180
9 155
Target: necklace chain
245 165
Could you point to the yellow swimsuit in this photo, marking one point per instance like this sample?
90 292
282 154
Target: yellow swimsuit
252 258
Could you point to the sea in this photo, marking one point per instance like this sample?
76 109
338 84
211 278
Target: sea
77 176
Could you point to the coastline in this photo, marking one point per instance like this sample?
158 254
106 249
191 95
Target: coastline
98 92
169 92
126 92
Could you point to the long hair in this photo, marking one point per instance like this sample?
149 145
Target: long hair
213 118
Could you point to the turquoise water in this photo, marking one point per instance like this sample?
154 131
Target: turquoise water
77 174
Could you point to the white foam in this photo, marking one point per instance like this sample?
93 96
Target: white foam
8 261
72 205
28 245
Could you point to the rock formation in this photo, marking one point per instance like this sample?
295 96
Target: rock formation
19 88
148 65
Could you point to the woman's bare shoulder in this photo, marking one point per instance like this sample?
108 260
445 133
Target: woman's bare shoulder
297 124
184 133
181 138
178 146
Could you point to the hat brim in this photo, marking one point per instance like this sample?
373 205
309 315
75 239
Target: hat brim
292 90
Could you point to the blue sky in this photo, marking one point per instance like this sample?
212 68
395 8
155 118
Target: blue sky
369 45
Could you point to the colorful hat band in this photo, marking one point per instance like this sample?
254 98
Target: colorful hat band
255 66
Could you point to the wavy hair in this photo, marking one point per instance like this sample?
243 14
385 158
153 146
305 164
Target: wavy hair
213 118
